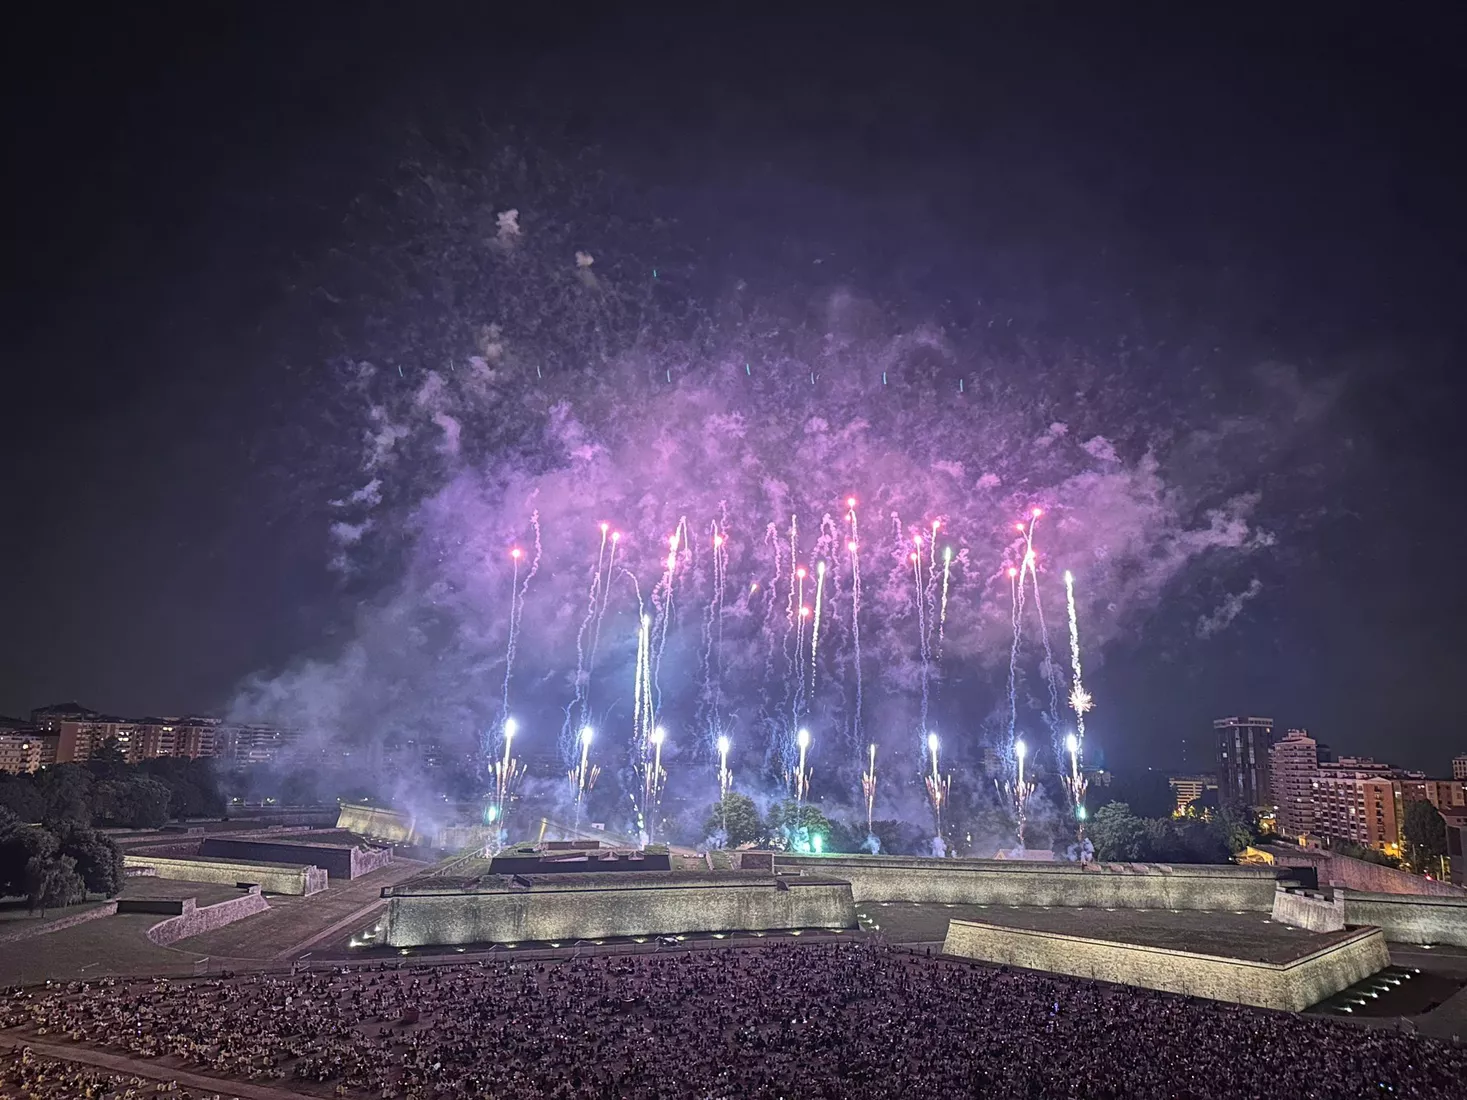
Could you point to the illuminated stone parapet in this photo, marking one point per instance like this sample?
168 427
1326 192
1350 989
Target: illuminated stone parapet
571 907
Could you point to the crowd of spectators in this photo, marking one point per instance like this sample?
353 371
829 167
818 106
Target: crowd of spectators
849 1020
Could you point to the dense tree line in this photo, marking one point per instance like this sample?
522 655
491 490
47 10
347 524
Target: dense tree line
52 851
1204 837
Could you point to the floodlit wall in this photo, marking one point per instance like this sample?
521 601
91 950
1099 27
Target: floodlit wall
392 826
271 878
1008 882
1358 874
194 920
1406 919
615 909
1310 911
1293 986
338 860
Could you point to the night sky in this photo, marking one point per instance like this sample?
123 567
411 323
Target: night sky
1236 245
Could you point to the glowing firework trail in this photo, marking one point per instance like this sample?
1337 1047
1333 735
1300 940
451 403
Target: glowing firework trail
600 612
725 777
639 683
868 787
1016 592
802 774
514 586
583 775
815 633
507 773
713 629
676 540
947 568
938 785
586 624
653 781
1080 700
916 559
771 537
797 666
854 547
1050 673
1021 790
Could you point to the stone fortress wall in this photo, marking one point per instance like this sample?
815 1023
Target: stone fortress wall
1293 986
1406 918
337 860
1010 882
186 917
570 907
272 878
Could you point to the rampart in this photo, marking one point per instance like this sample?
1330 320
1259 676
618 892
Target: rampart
1009 882
338 860
1357 874
571 907
1309 910
1407 919
392 826
189 918
1293 986
272 878
25 929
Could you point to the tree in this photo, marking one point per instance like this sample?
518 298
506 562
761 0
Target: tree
66 793
97 857
136 802
902 838
1117 833
19 845
737 818
796 825
1425 833
108 761
53 883
20 795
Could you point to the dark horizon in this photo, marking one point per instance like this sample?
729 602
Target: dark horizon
1234 245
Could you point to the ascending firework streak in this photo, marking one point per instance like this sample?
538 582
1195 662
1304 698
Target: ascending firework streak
815 633
1031 567
1021 790
517 593
797 665
800 778
507 774
653 781
600 614
713 631
854 547
1080 702
1016 594
938 785
947 568
673 543
725 777
868 788
583 775
916 559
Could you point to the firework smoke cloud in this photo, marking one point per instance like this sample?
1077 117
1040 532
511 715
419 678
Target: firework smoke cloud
527 346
